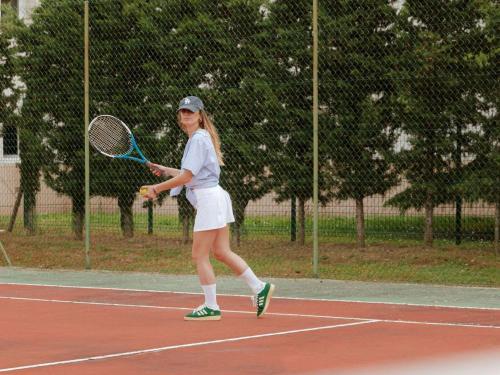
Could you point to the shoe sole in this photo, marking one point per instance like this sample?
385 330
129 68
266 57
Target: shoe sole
268 300
204 318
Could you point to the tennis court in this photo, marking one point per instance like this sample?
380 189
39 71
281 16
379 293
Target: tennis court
355 141
87 327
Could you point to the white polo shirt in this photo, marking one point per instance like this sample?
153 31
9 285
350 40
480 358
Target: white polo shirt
200 158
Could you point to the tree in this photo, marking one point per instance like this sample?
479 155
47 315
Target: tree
482 174
122 79
53 73
13 92
211 49
9 93
288 68
177 48
165 61
357 92
240 96
52 111
437 99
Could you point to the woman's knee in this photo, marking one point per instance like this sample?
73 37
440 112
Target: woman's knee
222 254
198 256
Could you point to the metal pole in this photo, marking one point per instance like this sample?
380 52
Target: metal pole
458 197
293 219
86 115
150 216
315 138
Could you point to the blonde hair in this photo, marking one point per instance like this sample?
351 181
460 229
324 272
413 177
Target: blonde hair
207 124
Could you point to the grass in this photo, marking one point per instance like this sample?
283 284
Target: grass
377 227
402 260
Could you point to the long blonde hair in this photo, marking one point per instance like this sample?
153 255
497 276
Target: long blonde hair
207 124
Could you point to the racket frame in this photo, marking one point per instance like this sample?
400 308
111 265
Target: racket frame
133 142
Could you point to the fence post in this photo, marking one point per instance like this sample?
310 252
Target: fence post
315 137
150 216
293 219
86 124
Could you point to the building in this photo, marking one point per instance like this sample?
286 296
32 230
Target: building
9 142
9 145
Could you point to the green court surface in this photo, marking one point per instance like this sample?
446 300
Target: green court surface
412 294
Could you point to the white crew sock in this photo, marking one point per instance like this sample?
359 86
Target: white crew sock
210 292
252 281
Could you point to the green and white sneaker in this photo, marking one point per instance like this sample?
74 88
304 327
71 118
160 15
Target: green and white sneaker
203 312
262 299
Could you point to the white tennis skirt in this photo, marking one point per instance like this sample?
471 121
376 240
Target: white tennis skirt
214 209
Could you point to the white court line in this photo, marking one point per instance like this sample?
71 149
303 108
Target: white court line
445 324
274 297
171 347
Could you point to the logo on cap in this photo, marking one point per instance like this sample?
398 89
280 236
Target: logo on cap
187 101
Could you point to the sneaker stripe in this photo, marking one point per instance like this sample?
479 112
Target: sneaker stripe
203 313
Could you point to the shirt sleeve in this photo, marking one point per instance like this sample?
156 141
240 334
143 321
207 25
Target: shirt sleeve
196 155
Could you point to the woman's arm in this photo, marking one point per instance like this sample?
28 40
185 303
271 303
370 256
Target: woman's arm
181 179
160 170
172 172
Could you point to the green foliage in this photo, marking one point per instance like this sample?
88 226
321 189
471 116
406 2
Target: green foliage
9 88
288 69
482 176
358 92
407 93
52 113
438 93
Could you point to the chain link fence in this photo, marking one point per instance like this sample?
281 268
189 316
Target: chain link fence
408 117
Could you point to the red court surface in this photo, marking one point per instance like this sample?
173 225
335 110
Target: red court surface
63 330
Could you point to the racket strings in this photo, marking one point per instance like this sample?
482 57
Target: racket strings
109 135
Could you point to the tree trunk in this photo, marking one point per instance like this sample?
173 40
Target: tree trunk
429 210
29 212
186 216
360 223
302 221
239 218
293 219
497 227
13 216
126 215
77 218
29 170
237 233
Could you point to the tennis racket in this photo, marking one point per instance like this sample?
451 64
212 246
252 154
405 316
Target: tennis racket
112 138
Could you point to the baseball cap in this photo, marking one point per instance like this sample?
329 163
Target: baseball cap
191 103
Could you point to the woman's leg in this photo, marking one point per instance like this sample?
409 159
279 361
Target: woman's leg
222 252
203 242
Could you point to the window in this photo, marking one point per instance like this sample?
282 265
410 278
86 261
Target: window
13 3
10 145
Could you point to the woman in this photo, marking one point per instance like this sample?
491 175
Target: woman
199 173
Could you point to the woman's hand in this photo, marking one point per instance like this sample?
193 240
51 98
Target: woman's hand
148 192
158 170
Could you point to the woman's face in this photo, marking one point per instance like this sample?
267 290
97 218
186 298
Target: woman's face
190 120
